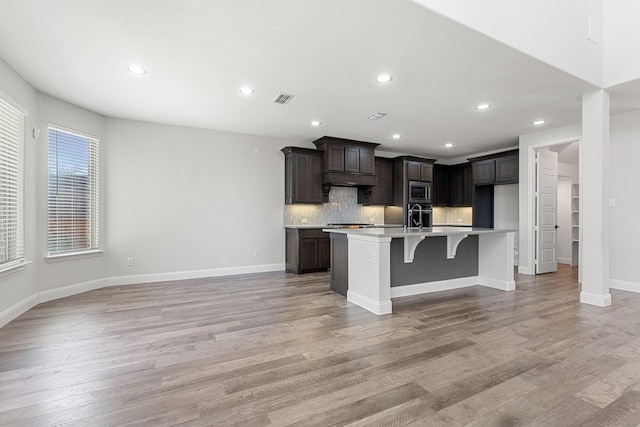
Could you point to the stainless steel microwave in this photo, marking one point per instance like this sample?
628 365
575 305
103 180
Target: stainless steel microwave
419 192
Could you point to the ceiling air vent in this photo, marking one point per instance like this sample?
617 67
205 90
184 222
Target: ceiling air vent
282 98
376 116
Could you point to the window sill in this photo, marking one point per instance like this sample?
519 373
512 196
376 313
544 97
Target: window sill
73 255
10 269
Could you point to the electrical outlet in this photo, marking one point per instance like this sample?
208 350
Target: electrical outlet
256 151
256 254
130 262
374 258
305 220
372 220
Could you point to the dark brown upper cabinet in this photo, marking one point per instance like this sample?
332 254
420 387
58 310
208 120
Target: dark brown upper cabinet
345 155
347 162
409 168
419 171
382 194
507 169
303 176
453 185
484 172
495 169
441 185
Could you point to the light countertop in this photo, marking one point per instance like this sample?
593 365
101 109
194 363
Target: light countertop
414 231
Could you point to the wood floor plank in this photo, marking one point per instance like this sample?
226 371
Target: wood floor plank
278 349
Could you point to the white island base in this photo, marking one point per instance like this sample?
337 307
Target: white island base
386 263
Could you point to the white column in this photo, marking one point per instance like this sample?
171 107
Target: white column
495 260
594 189
370 272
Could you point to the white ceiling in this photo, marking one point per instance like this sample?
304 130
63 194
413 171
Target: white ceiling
327 53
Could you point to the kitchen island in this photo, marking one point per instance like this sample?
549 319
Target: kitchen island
371 266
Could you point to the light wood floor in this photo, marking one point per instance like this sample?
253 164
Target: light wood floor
280 349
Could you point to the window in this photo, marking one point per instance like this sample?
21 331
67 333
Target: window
11 198
73 199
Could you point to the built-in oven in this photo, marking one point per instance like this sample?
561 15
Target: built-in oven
420 192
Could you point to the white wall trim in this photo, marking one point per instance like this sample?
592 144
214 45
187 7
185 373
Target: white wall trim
49 295
17 309
503 285
523 269
437 286
369 304
564 260
31 301
623 285
527 216
595 299
194 274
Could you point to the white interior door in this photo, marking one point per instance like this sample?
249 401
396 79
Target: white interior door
546 211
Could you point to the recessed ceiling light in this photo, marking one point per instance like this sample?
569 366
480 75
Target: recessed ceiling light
136 69
482 106
246 90
538 122
315 123
448 145
384 78
396 136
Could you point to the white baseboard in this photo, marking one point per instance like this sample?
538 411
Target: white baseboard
10 313
503 285
624 285
194 274
595 299
31 301
437 286
563 260
525 270
369 304
49 295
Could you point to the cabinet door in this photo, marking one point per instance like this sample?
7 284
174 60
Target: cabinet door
426 172
324 253
382 194
367 160
351 159
484 172
468 186
306 177
441 185
507 169
457 186
413 170
335 157
308 257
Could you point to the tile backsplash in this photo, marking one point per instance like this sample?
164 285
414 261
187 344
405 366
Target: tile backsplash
342 207
463 216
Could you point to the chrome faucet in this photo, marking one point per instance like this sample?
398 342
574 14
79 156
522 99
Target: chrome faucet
411 220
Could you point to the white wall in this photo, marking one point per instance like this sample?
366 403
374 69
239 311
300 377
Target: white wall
505 210
24 288
191 200
552 31
621 41
624 229
564 220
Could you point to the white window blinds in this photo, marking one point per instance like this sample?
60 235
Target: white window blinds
73 199
11 178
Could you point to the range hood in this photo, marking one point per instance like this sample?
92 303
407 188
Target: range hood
347 163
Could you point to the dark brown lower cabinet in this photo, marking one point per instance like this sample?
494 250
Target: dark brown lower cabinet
307 250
